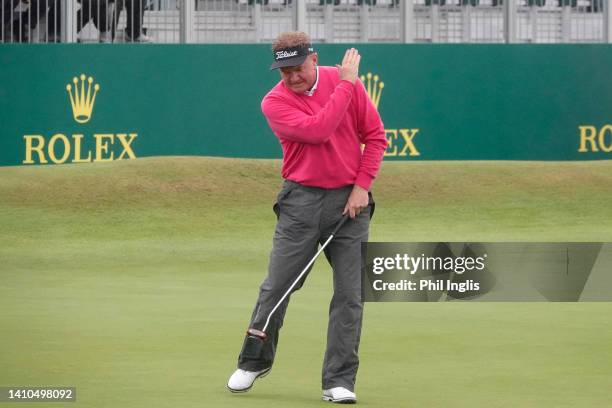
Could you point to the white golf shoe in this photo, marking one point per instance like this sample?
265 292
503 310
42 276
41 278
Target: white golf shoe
242 380
340 395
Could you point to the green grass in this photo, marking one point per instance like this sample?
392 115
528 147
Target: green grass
134 282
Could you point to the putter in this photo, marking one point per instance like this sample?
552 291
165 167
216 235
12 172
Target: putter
255 339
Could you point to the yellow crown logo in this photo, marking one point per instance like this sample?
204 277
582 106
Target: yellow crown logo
82 103
373 86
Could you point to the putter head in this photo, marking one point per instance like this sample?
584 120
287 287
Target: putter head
253 344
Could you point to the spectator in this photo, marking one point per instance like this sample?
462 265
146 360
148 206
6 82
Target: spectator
54 19
135 15
95 11
10 20
22 24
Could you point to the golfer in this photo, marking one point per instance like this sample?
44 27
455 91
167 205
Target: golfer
333 141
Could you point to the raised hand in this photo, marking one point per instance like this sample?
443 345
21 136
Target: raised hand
349 70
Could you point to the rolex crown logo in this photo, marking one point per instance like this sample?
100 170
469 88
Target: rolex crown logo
82 100
373 86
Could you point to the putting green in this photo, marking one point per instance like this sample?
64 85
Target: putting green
134 282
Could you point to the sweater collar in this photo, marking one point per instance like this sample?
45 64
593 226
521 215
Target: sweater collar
312 90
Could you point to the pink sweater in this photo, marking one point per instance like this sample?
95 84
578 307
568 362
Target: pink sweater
321 135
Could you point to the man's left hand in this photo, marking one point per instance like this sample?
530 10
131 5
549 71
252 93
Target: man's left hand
357 201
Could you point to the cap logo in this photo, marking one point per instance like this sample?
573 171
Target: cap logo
290 56
285 54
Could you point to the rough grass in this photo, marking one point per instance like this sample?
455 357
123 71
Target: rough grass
134 281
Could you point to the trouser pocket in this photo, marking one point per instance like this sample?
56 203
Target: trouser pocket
288 186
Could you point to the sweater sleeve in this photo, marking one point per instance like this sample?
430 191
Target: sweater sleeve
372 135
290 123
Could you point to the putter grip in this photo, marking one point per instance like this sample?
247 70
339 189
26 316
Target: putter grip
340 224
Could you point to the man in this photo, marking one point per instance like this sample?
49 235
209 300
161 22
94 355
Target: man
133 28
322 116
95 11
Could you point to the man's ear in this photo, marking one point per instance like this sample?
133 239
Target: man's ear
315 58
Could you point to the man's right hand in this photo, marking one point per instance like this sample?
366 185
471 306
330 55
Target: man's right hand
349 70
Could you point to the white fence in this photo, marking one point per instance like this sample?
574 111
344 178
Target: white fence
329 21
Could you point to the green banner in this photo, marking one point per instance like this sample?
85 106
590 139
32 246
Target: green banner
66 103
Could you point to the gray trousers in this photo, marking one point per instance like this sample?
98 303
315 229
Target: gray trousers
306 217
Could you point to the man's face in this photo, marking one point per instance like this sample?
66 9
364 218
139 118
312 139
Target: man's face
300 78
